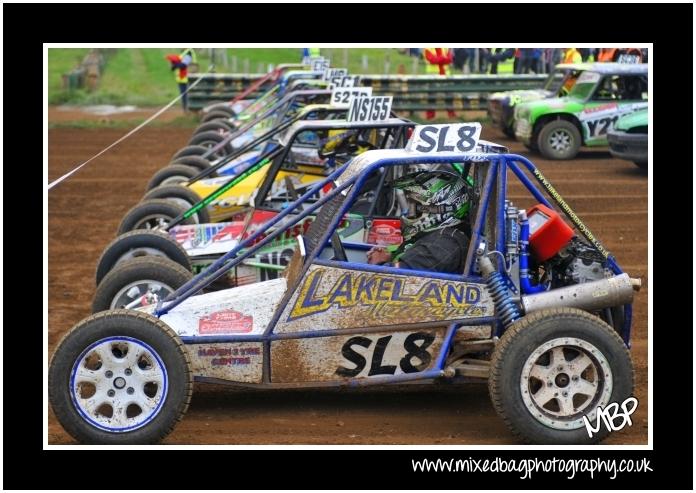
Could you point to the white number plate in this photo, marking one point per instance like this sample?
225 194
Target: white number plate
344 81
320 64
330 73
370 109
449 137
342 96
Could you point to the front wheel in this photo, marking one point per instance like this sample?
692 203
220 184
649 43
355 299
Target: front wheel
138 244
201 164
210 139
216 115
139 282
118 378
215 126
559 139
190 150
221 107
553 367
183 196
173 174
152 214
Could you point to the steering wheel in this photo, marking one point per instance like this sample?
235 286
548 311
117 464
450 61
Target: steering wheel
339 251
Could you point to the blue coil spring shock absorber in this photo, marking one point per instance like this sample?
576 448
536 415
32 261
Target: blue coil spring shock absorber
497 288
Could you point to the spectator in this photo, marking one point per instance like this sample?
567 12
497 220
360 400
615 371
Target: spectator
584 54
310 52
516 65
572 55
465 59
179 64
552 57
529 60
438 61
499 55
484 59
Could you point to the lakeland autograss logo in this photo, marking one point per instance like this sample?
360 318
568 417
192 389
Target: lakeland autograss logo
387 296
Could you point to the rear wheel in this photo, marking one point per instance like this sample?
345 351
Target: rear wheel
172 175
143 280
553 367
141 243
120 377
183 196
151 214
559 139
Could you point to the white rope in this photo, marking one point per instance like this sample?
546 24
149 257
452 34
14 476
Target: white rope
165 108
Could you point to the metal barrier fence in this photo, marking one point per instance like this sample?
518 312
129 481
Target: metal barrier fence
411 92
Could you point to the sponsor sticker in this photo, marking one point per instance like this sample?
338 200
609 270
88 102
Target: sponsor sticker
226 322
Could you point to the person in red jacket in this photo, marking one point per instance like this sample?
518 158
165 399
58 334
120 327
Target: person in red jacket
179 64
438 61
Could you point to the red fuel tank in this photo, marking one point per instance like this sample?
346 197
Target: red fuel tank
548 233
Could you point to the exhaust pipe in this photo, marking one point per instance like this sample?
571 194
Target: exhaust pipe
590 296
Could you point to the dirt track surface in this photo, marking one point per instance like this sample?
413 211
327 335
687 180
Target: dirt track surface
609 195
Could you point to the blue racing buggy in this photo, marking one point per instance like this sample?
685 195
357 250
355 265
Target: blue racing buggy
541 310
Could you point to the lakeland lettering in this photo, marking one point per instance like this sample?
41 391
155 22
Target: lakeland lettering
386 296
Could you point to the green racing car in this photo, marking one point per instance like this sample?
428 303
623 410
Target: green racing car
557 127
501 105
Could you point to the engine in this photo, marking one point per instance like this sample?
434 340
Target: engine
577 263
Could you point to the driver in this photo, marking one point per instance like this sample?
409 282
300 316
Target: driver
434 226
